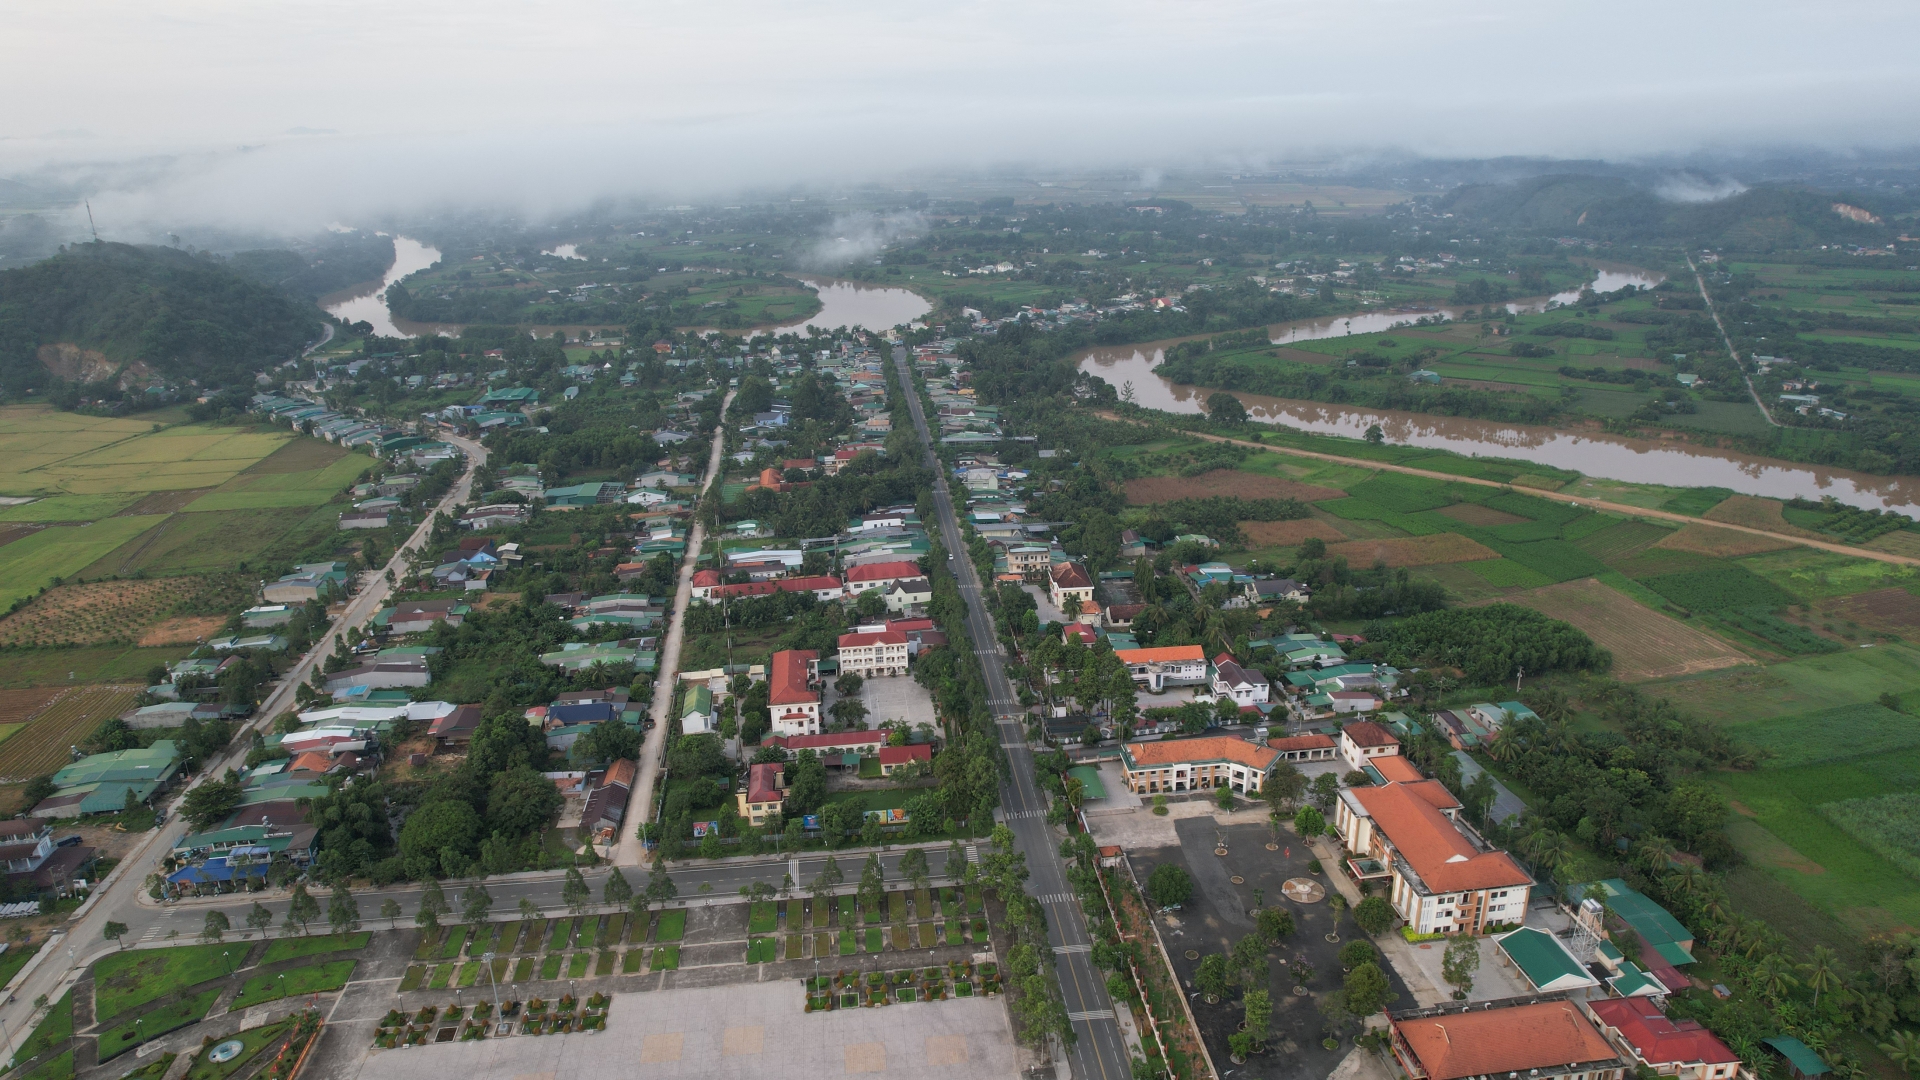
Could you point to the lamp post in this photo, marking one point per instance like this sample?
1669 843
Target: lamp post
494 983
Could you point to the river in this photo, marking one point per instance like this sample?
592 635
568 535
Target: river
1373 322
370 304
846 303
1611 457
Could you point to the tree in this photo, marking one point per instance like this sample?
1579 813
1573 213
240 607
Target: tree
1224 408
1375 435
433 904
390 911
1822 972
216 926
1354 953
1325 788
830 875
528 909
258 917
913 867
114 931
1462 959
660 886
343 911
1213 976
617 891
212 801
302 908
1259 1013
637 907
1903 1048
1274 925
956 864
1374 915
873 885
574 892
475 904
1367 990
1309 822
1284 788
849 711
1249 956
1223 796
1169 885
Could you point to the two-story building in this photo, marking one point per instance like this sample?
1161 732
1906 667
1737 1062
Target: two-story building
1643 1034
1245 687
1363 740
1171 665
880 575
793 701
870 653
1154 768
1538 1039
1442 877
765 793
1069 581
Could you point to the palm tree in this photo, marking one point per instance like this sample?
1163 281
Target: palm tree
1904 1048
1686 881
1775 975
1822 972
1655 853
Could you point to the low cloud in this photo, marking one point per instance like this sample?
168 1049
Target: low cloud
858 237
1693 187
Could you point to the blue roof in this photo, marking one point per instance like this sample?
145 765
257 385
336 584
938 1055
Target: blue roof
584 712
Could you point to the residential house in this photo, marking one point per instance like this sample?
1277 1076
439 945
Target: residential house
872 653
383 673
1443 878
314 581
1069 581
1539 1039
1173 665
895 758
793 702
764 794
1364 740
418 616
606 803
880 575
907 593
1246 688
1176 765
697 714
1643 1034
1274 590
457 727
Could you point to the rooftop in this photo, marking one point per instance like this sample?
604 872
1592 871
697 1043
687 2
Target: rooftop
1432 845
787 679
1214 748
1545 1035
1658 1040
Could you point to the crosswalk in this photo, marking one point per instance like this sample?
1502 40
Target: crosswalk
1058 898
1025 815
1073 948
973 854
153 932
1091 1014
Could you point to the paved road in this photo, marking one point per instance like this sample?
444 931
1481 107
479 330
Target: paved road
124 900
1728 341
1577 500
1100 1052
630 851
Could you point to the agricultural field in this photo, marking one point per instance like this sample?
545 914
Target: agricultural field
1718 542
199 543
149 611
1645 644
1147 490
33 561
167 459
1413 550
41 747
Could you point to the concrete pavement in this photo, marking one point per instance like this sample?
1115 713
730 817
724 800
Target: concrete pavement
1100 1051
122 897
630 851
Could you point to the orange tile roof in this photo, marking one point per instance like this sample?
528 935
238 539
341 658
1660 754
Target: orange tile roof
1161 655
1071 576
1430 844
1187 751
1368 733
1396 769
885 571
621 772
1315 741
1548 1035
881 637
787 681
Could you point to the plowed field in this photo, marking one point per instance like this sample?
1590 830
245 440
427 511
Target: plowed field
1720 543
1288 533
1755 513
1146 490
72 716
1413 550
1645 644
1475 514
1895 609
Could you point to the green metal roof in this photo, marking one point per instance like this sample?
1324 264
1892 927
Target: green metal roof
1651 921
1543 960
1799 1055
1632 980
1090 785
156 763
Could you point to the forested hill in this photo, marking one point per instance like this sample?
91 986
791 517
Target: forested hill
185 315
1612 208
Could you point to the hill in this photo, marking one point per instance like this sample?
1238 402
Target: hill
335 263
1614 208
183 315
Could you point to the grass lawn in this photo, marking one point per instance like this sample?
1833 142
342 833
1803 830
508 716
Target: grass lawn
896 907
562 933
60 1068
550 965
530 939
413 978
604 965
127 980
456 941
760 950
589 932
577 964
873 939
469 973
251 1042
902 937
294 948
424 950
848 945
172 1016
949 903
442 977
763 918
632 960
953 932
616 931
14 960
55 1029
796 946
1740 695
672 925
523 970
665 958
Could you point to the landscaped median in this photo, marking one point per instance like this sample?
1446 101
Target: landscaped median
312 979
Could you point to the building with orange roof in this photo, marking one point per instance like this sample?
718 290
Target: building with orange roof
1540 1039
1363 740
1310 747
1443 877
1395 769
879 575
765 793
1682 1049
793 704
871 653
1172 665
1171 765
1069 580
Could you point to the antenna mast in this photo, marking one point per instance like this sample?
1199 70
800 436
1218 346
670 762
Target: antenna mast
90 224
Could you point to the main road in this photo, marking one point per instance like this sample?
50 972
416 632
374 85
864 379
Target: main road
1099 1051
123 899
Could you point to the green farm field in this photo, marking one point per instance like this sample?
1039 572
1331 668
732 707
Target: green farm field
61 551
191 543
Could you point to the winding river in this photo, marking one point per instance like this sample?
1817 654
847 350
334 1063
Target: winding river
370 303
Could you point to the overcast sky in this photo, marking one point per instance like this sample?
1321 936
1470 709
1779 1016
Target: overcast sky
350 107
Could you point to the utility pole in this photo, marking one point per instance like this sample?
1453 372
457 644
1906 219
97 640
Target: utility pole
1519 673
90 224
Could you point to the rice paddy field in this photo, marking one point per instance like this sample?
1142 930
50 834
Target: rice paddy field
41 746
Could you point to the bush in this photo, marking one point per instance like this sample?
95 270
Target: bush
1374 915
1169 886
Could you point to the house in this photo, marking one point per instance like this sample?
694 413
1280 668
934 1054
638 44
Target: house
457 727
1133 545
792 702
1313 747
696 711
384 673
606 803
314 581
1443 877
1274 590
101 783
257 618
1802 1062
1168 665
1245 688
1196 765
764 794
1528 1037
364 519
834 749
879 575
418 616
1120 616
907 593
1643 1034
895 758
822 586
1363 740
1543 961
1025 558
1069 581
871 653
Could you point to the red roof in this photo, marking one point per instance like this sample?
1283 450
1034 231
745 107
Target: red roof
1396 769
621 773
900 755
1443 857
884 571
837 740
1163 654
1071 576
705 579
879 637
745 588
808 584
1365 732
1315 741
800 463
763 783
787 681
1486 1042
1658 1040
910 626
311 761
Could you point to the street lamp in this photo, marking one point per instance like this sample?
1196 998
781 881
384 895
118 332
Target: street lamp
487 958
